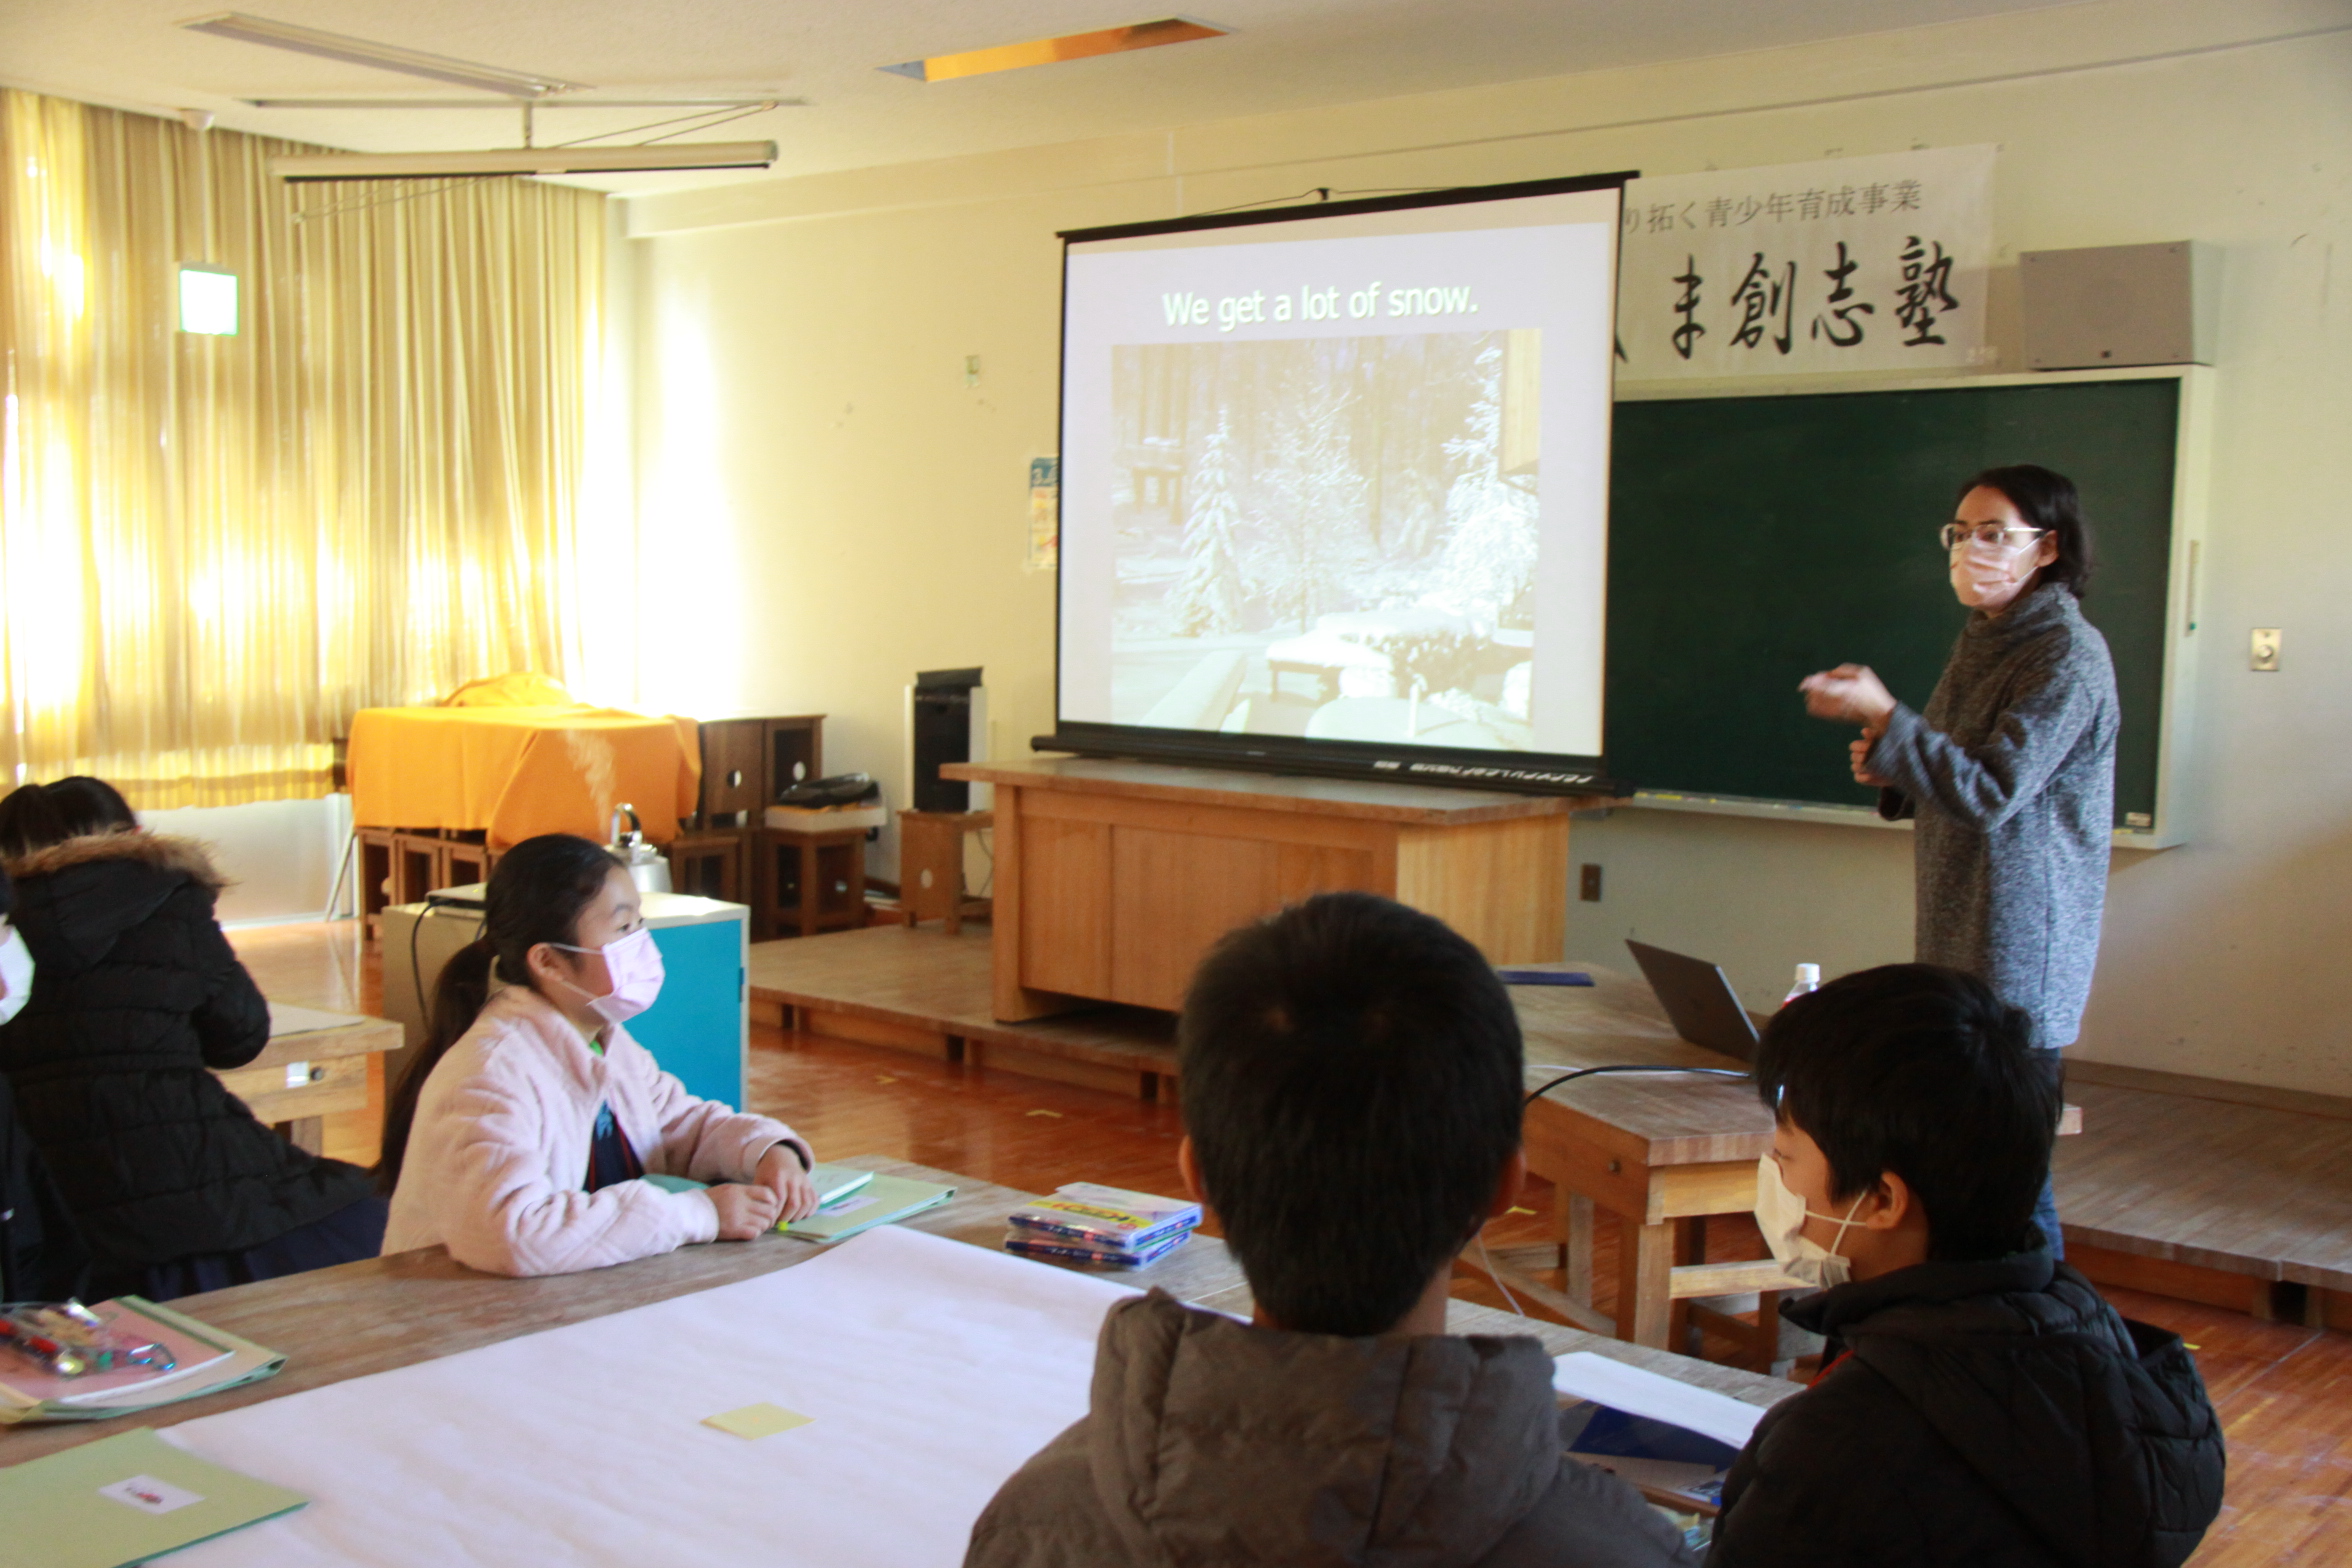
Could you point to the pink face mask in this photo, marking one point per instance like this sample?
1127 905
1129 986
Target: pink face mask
633 965
1988 578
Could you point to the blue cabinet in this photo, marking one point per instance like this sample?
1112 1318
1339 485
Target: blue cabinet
699 1027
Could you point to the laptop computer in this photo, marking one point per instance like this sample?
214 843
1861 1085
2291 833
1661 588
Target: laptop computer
1699 1001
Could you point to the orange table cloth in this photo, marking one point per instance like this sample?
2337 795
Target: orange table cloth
519 772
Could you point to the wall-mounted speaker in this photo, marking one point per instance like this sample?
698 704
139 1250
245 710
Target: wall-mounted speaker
2110 305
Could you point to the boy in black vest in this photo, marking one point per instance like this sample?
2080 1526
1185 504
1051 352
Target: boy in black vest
1978 1403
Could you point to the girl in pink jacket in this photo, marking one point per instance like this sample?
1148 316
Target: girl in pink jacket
517 1136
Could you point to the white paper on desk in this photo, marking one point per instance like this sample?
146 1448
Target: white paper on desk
286 1019
931 1369
1582 1374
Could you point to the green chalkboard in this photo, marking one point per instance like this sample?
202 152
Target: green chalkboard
1754 540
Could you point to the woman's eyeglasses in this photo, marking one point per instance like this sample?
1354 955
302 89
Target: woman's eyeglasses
1990 536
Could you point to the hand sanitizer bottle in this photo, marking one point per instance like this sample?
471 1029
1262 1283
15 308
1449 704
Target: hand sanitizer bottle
1808 979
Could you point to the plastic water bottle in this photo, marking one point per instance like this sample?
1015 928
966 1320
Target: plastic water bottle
1808 979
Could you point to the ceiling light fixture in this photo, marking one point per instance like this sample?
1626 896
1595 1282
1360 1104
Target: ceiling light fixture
560 103
384 57
1046 51
313 166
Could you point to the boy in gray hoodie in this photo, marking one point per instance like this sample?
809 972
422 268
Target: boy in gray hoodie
1351 1079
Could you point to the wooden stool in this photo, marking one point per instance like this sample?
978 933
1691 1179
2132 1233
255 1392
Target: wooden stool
710 865
931 865
810 882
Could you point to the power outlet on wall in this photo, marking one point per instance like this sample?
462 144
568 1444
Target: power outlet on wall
1588 882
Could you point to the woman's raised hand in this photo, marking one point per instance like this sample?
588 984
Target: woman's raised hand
1850 692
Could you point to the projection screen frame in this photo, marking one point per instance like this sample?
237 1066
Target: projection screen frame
1533 773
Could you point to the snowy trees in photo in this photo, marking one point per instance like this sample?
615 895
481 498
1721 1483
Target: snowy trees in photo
1489 556
1207 599
1310 518
1260 486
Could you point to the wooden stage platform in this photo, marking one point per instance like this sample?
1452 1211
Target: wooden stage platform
2196 1188
920 989
2226 1193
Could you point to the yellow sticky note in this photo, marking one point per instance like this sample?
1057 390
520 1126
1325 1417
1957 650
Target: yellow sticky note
757 1420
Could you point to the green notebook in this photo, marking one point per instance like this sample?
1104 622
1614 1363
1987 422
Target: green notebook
834 1182
880 1201
125 1499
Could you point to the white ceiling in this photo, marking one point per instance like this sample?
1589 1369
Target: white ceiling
1285 54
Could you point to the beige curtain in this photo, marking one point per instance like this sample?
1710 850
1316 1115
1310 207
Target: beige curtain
213 550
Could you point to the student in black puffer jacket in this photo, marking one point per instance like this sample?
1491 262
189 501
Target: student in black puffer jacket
41 1252
136 994
1979 1405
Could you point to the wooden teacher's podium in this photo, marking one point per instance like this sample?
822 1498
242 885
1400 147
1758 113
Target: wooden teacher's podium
1112 878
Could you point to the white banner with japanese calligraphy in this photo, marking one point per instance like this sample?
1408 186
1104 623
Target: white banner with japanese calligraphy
1846 264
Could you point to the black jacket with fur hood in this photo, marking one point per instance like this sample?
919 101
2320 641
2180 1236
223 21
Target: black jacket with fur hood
135 994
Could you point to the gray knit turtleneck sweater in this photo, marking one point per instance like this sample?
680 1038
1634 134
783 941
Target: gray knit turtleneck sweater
2011 774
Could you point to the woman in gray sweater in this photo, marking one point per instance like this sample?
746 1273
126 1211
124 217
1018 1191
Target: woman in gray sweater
2010 769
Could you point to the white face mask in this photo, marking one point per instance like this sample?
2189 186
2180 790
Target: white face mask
16 974
1781 1215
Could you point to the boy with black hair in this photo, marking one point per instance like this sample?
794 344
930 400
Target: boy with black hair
1979 1403
1351 1073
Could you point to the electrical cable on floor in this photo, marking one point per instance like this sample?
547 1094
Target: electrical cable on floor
416 976
1497 1280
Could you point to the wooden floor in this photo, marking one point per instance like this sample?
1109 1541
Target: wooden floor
2284 1391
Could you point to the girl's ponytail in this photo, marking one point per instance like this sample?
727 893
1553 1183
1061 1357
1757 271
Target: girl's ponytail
535 895
458 997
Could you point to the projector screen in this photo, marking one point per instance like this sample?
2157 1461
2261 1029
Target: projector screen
1335 486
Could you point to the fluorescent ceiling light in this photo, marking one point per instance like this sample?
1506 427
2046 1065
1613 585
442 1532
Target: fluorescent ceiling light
1045 51
384 57
208 301
560 103
522 160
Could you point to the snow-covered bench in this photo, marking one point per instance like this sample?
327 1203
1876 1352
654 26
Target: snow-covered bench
1203 697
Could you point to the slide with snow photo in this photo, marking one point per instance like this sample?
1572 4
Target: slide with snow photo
1343 479
1332 537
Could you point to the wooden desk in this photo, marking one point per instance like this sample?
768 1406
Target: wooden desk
303 1076
1661 1153
1112 878
374 1316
